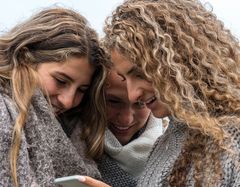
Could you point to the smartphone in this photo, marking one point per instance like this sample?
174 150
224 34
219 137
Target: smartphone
70 181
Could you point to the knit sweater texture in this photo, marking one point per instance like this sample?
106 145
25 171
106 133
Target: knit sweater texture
168 148
45 152
122 164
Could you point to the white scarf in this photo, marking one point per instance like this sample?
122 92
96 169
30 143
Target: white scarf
133 156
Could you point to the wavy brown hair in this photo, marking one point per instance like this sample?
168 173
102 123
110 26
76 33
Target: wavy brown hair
193 63
52 35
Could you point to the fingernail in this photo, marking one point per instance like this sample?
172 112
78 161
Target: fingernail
82 178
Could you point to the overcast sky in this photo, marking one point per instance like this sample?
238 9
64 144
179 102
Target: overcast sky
14 11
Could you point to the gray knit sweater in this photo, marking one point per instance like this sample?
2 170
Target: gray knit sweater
113 174
45 153
168 148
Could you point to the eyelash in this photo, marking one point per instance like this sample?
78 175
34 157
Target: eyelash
140 76
82 90
60 81
113 101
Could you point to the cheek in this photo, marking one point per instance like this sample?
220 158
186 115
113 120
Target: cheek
49 87
143 115
111 113
78 100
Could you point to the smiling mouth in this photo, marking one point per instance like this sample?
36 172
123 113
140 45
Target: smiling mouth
120 129
151 100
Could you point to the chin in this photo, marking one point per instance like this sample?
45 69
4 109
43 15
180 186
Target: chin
159 113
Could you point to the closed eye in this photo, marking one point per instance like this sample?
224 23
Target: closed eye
137 72
83 89
113 101
140 76
59 81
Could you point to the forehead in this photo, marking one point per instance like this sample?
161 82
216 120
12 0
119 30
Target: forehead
120 63
76 63
115 83
78 70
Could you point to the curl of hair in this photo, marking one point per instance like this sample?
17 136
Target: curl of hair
192 61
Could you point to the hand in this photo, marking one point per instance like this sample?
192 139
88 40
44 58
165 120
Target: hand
93 182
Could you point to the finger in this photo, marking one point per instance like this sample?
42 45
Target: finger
93 182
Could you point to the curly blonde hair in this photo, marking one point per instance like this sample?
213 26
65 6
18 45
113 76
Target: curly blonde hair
193 63
52 35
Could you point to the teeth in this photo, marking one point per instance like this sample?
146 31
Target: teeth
151 100
122 128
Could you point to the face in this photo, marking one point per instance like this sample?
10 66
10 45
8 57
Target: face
125 117
65 83
139 89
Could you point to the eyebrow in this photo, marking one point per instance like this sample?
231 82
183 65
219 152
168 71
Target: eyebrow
133 70
70 78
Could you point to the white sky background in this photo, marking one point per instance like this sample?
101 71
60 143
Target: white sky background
14 11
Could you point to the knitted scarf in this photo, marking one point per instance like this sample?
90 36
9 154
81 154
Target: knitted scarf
132 156
45 152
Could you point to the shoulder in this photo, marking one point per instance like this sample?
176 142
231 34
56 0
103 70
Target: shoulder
6 101
8 109
8 113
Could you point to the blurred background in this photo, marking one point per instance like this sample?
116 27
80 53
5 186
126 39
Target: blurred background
14 11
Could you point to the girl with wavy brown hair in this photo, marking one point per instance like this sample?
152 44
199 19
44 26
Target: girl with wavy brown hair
178 53
49 64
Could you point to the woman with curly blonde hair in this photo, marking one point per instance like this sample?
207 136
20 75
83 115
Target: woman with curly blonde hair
177 52
48 65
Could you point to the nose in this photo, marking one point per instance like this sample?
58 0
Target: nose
68 99
126 116
134 91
